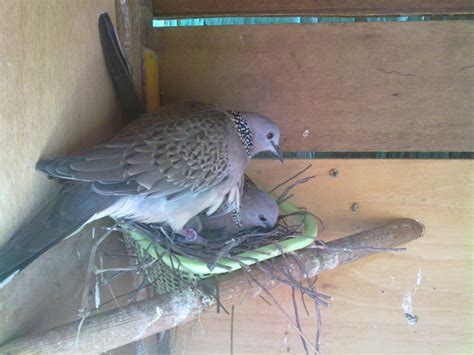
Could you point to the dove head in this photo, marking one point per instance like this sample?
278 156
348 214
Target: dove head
257 209
265 134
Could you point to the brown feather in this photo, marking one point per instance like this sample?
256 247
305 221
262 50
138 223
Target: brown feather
97 164
183 145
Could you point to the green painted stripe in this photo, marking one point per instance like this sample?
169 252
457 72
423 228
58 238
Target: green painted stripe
371 155
264 20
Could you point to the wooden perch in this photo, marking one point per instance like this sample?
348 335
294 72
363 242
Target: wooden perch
118 327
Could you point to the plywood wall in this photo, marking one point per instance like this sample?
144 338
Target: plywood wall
56 95
333 87
366 314
56 98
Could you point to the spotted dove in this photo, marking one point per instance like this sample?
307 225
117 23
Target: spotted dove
165 167
257 209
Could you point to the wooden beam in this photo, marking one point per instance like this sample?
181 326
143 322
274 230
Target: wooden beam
333 87
211 8
115 328
133 25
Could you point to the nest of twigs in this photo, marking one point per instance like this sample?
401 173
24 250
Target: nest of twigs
235 247
170 276
163 270
225 248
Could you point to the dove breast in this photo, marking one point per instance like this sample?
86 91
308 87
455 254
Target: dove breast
257 209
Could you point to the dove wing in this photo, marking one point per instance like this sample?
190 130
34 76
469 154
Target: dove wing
176 150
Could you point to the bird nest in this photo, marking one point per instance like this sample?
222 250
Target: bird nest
171 262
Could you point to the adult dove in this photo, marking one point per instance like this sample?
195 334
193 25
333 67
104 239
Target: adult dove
258 209
164 167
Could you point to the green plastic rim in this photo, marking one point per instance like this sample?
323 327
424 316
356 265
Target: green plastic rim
201 269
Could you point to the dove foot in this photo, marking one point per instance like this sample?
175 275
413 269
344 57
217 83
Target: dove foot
191 236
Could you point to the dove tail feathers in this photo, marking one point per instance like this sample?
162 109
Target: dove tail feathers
74 206
118 69
55 168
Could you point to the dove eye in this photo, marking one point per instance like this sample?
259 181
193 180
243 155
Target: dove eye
269 135
262 218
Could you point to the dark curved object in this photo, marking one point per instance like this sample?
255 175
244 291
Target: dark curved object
118 69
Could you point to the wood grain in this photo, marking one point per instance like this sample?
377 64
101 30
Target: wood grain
209 8
56 98
133 24
366 315
333 87
56 95
139 320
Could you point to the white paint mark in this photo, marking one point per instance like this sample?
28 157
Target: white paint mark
8 279
407 307
418 277
407 301
78 253
392 280
284 348
285 342
306 133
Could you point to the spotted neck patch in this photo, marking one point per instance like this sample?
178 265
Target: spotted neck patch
244 131
236 219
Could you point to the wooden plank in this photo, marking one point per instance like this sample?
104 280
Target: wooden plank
366 315
133 24
333 87
209 8
57 98
151 82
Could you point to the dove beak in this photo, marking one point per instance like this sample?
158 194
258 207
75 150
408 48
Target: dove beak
269 225
277 151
